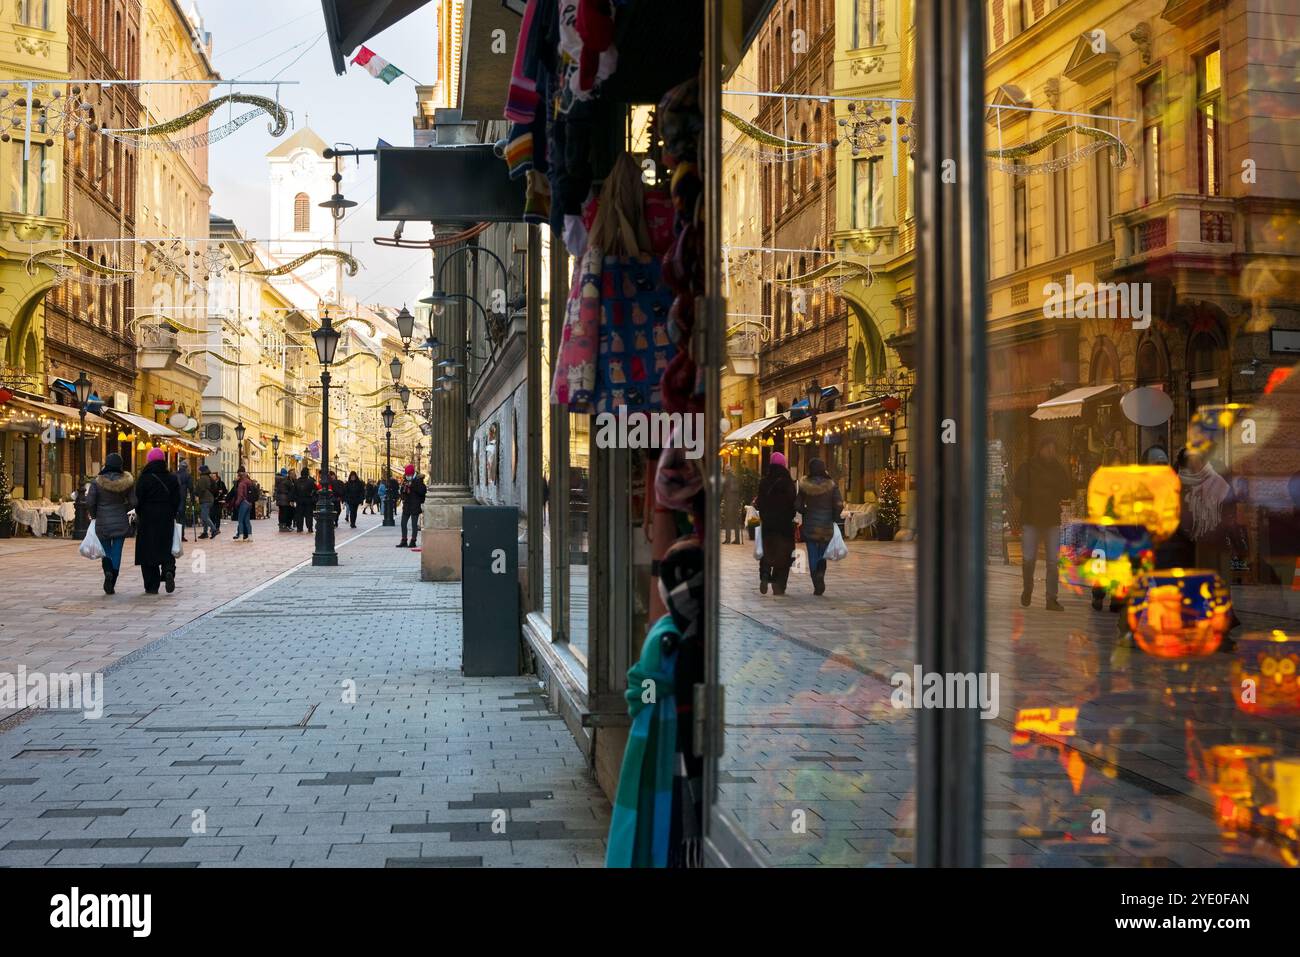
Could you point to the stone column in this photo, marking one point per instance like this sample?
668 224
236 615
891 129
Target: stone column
448 479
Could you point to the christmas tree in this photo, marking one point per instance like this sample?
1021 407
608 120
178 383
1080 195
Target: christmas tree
6 507
887 495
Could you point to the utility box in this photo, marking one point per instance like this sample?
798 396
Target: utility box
489 591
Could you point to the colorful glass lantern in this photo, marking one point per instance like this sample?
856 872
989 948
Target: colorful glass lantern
1210 425
1231 771
1145 495
1105 555
1264 674
1179 613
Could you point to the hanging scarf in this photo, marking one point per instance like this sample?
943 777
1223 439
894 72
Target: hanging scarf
641 823
1204 492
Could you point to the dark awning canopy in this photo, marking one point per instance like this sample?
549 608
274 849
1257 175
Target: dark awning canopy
350 23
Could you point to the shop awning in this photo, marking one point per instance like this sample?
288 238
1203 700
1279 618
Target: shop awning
155 430
752 429
196 448
51 411
350 23
1070 404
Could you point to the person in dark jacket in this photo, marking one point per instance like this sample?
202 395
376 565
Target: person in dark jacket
203 490
219 493
332 489
304 496
775 504
244 497
1042 484
284 499
371 493
158 496
186 482
354 493
820 503
412 495
111 496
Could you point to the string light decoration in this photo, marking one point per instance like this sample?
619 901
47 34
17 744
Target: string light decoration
59 115
1005 160
865 132
349 261
769 148
69 265
159 137
831 277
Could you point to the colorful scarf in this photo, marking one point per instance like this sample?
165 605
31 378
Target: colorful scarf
642 820
1204 492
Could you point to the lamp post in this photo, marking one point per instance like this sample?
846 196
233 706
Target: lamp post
240 432
814 405
327 343
389 415
81 520
275 454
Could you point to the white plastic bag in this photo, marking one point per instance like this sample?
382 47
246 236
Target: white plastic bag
177 547
90 547
800 564
836 549
758 543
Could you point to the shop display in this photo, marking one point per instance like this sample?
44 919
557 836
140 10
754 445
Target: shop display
1179 613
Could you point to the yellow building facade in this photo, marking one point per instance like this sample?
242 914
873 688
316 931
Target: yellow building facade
33 45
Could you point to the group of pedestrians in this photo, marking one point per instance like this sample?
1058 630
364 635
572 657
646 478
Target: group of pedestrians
816 500
155 497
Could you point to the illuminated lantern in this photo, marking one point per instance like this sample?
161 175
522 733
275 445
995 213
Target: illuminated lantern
1104 555
1179 613
1145 495
1230 772
1264 678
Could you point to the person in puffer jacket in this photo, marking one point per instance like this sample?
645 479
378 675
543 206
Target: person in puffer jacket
111 496
820 503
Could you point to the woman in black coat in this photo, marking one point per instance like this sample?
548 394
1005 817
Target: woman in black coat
775 504
354 493
157 496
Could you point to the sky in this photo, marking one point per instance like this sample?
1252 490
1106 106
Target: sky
285 40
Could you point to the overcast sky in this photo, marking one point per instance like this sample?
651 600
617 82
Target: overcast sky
285 40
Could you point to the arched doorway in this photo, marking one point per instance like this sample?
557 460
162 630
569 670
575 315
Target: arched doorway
864 457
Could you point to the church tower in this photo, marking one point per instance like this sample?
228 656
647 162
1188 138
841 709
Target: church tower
300 182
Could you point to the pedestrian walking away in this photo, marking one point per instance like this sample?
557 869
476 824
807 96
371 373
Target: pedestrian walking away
1041 484
284 499
246 494
371 492
775 503
354 493
411 495
204 490
157 496
304 497
219 495
820 503
111 496
186 483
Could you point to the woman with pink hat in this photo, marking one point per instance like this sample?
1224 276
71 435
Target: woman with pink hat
158 497
775 504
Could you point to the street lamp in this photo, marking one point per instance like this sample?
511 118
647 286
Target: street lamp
404 393
388 415
405 327
275 453
419 451
814 405
240 432
338 204
327 343
395 370
82 520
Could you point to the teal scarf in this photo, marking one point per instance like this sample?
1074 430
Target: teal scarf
642 817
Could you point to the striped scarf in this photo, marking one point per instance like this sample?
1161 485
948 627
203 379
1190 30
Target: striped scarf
641 823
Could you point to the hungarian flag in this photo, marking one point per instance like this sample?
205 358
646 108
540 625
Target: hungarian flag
377 66
162 405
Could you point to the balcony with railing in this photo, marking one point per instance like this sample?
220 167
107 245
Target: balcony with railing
1187 228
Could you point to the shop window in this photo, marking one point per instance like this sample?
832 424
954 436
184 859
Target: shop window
1209 113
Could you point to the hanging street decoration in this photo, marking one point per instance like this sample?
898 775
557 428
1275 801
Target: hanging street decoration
216 355
348 260
865 132
58 115
69 265
159 136
770 148
1004 160
832 276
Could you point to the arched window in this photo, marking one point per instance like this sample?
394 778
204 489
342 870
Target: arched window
301 213
1150 363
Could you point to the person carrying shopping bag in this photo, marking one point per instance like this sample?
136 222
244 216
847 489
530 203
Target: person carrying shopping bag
820 503
158 496
111 496
776 507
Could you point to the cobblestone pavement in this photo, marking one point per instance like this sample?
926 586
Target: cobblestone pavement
320 721
55 617
819 767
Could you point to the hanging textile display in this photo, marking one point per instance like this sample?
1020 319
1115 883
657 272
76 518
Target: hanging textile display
159 136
